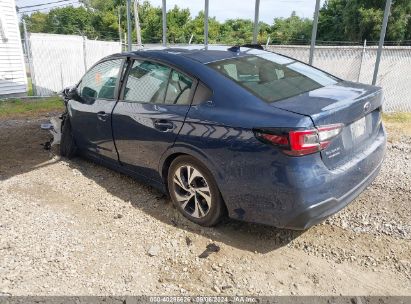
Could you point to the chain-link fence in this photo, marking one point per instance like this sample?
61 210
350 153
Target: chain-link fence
58 61
356 64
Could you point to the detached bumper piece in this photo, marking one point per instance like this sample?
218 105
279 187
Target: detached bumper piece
54 126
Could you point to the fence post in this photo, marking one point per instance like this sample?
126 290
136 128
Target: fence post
268 41
85 53
137 20
119 28
61 76
362 59
314 32
128 26
382 38
191 38
164 23
29 59
206 24
256 17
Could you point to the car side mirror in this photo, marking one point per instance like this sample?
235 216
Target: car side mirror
72 93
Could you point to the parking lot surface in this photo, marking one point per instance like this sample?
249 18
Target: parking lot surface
75 228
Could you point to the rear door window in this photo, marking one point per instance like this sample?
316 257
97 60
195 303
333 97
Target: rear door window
202 94
179 89
147 82
153 82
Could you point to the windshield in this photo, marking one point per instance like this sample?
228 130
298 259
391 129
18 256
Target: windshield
273 77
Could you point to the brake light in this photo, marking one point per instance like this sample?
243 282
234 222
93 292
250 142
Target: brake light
275 139
302 142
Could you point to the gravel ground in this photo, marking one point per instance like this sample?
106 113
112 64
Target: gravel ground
73 227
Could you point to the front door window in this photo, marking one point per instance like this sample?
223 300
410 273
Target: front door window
100 82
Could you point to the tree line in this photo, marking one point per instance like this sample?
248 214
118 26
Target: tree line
339 20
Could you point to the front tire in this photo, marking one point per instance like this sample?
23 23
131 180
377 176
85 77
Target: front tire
194 191
68 146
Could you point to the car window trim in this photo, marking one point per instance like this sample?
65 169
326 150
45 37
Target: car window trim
172 68
119 84
168 84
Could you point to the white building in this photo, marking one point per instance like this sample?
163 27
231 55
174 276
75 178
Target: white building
13 80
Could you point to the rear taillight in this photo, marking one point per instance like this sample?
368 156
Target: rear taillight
279 140
301 142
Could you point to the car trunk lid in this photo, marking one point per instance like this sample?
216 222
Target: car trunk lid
356 106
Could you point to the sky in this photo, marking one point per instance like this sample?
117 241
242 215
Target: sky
224 9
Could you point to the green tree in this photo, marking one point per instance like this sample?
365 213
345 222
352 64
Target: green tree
331 21
195 27
291 29
399 25
70 20
36 22
264 30
102 5
408 31
340 20
236 31
362 20
356 20
177 25
105 25
151 23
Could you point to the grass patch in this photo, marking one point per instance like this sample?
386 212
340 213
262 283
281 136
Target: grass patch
397 117
29 107
29 87
397 124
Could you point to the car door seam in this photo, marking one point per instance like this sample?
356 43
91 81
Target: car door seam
119 91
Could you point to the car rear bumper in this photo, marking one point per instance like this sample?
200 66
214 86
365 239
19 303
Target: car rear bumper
316 213
297 193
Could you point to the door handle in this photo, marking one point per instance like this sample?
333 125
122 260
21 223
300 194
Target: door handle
163 125
102 116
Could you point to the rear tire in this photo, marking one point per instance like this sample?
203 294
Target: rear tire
194 191
68 146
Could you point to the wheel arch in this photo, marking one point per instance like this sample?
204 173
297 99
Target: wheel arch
176 151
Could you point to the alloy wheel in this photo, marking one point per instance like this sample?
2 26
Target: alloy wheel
192 191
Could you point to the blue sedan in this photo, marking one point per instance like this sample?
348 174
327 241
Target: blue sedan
229 131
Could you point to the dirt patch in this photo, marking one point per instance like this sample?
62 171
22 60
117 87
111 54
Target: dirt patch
73 227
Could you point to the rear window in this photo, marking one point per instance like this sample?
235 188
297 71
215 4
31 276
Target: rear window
273 77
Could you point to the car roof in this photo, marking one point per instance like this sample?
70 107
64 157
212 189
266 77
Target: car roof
198 52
